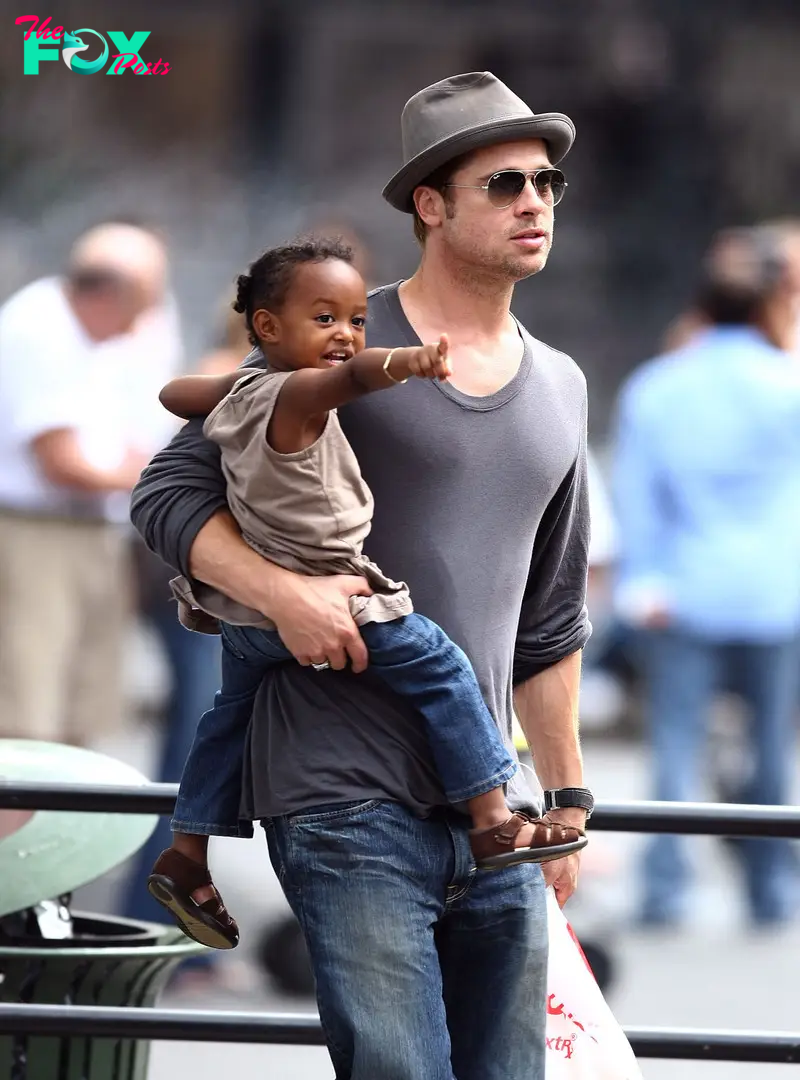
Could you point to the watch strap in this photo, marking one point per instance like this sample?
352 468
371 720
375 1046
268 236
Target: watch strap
567 797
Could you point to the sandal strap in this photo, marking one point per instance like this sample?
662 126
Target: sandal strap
185 872
569 831
548 833
506 833
215 907
498 839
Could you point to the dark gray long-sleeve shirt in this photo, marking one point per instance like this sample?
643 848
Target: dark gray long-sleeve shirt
481 505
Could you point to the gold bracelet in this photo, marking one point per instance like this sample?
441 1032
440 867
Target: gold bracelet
386 371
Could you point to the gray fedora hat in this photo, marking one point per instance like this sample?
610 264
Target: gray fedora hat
463 113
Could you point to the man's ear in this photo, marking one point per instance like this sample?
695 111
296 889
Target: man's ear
430 205
266 326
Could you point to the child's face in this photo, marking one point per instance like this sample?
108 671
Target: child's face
322 321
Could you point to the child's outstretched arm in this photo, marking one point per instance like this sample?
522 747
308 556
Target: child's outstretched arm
310 393
196 395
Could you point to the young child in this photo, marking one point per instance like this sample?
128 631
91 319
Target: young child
296 491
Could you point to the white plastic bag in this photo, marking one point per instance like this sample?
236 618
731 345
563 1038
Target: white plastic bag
584 1041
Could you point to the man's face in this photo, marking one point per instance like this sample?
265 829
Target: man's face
112 307
511 243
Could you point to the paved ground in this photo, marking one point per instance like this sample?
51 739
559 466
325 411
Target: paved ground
714 974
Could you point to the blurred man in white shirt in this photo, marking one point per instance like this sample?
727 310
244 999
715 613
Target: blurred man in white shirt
68 459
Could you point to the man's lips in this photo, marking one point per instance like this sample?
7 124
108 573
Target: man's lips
531 238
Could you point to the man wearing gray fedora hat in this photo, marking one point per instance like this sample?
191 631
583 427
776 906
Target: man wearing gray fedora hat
425 968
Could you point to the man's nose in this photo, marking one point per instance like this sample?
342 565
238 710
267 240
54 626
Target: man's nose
530 201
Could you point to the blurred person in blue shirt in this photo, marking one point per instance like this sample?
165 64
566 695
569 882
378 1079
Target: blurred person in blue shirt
707 486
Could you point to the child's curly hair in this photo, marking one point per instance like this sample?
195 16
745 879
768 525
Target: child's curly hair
268 280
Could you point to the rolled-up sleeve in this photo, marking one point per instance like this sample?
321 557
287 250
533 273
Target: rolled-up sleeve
554 622
181 488
178 492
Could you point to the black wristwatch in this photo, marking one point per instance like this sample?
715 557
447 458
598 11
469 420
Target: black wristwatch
565 797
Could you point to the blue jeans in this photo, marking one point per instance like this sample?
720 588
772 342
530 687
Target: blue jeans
425 970
412 655
682 674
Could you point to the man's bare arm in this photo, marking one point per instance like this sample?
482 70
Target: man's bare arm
179 509
547 708
312 614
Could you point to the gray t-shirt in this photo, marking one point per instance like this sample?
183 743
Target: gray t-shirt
480 505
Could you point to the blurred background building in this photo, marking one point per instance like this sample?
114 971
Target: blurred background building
276 114
276 117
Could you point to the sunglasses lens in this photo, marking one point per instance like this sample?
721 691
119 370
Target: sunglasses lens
550 184
504 187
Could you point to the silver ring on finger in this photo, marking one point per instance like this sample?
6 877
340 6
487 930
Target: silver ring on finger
321 667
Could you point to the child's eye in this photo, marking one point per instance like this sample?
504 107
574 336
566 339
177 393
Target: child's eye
325 319
359 322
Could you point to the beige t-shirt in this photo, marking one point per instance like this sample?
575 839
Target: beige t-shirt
309 511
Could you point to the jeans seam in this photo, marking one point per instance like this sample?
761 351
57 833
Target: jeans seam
450 900
300 916
281 871
298 820
199 828
464 862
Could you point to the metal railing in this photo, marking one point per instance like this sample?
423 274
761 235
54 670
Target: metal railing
709 819
698 819
183 1025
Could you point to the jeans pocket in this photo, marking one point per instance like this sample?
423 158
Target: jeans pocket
332 813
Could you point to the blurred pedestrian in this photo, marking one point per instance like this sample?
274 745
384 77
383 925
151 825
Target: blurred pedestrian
67 464
708 498
785 234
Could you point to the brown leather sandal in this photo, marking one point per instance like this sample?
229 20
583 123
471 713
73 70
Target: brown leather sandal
494 848
173 880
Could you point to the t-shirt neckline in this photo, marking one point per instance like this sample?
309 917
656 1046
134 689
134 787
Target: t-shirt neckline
391 295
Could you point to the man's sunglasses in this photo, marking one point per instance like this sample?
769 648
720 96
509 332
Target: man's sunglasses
504 188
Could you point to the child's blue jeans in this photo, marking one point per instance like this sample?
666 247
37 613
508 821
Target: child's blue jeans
412 655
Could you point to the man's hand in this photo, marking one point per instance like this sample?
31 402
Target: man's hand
562 874
313 618
312 613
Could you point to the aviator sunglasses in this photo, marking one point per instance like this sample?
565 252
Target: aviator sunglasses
504 188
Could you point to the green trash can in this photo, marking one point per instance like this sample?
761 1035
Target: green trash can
108 961
51 956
